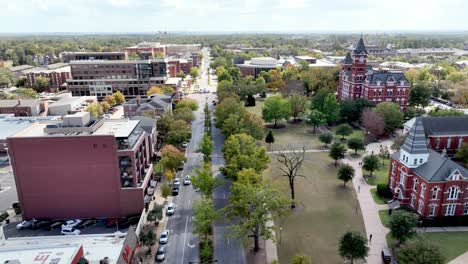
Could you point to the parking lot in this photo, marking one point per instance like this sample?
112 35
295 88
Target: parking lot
8 193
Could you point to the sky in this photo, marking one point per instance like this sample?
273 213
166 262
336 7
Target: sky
367 16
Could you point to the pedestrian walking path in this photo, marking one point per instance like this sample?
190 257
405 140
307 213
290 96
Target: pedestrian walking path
462 259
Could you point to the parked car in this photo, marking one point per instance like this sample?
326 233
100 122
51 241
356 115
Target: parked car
129 221
176 182
71 223
70 231
175 190
187 180
55 224
45 224
26 224
87 223
164 237
161 253
170 209
386 256
184 145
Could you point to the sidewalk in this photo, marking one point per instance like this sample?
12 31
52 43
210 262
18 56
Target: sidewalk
462 259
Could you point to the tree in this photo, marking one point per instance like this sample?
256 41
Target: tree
370 163
110 100
205 146
391 114
403 225
420 95
457 76
356 144
148 238
331 109
7 78
169 174
372 122
164 125
351 110
384 153
235 73
204 217
119 98
94 109
184 113
298 105
301 259
204 180
156 214
225 77
421 252
188 102
41 83
275 109
353 245
165 190
181 74
337 152
289 165
446 112
326 138
316 118
171 157
251 206
462 152
225 108
398 141
26 92
194 72
345 173
167 90
234 124
344 130
253 125
179 132
105 106
270 139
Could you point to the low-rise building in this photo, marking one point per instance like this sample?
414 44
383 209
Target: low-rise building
410 53
81 168
256 65
68 56
57 74
68 104
20 107
151 47
18 71
154 105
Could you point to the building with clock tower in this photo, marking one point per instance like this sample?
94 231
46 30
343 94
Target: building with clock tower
358 80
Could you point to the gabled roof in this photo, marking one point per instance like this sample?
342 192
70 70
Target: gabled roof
448 125
385 76
415 143
146 123
439 168
360 48
348 59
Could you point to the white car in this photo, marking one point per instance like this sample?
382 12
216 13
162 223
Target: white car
71 223
187 180
170 209
184 145
176 182
70 231
26 224
164 237
161 253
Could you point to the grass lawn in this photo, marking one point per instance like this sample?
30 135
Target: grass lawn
452 244
381 175
384 218
357 133
377 198
325 211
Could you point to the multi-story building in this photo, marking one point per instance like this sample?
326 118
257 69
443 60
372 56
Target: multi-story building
256 65
151 47
68 56
155 105
57 74
410 53
358 80
179 65
82 168
101 78
177 49
21 107
425 180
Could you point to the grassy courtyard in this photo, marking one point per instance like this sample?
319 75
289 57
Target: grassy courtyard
380 176
325 211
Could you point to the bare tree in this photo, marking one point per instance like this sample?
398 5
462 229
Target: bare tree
290 163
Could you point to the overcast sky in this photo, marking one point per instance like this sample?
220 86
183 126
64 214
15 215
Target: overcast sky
232 15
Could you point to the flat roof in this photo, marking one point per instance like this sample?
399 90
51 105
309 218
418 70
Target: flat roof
21 68
117 61
70 100
93 52
12 125
305 57
62 68
173 80
120 128
63 254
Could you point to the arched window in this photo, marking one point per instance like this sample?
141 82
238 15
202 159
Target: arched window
435 191
453 192
415 184
423 190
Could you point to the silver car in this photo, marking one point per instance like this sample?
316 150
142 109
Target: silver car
164 237
161 254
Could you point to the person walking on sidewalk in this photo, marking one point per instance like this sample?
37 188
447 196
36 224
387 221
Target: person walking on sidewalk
370 239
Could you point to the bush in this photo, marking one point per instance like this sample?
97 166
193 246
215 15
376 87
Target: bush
384 191
187 102
3 216
206 251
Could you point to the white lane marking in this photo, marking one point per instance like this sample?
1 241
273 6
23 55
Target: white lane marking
185 238
189 202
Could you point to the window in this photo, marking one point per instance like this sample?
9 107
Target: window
415 161
412 201
465 209
423 190
438 143
420 207
450 209
393 168
402 179
449 142
420 160
435 191
460 142
415 184
453 192
432 210
391 183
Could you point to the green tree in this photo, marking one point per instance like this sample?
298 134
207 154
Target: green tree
403 225
105 106
119 98
446 112
391 114
316 119
457 76
326 138
301 259
235 73
251 206
194 72
189 103
27 92
345 173
165 190
337 152
21 82
356 144
179 132
204 180
275 109
41 83
420 94
270 139
184 113
156 214
421 252
331 108
172 158
234 124
370 163
298 104
6 78
225 108
224 77
353 245
94 109
253 125
344 130
148 238
351 110
204 217
462 152
205 146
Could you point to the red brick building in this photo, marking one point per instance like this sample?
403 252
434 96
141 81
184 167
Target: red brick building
359 80
425 180
56 73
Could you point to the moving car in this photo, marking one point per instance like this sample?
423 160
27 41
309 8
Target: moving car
70 231
187 180
176 182
170 209
161 253
164 237
26 224
71 223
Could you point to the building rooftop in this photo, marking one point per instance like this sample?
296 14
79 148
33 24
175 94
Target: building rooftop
21 68
173 81
10 125
57 67
415 143
19 102
58 254
323 63
117 61
120 128
449 125
305 58
261 62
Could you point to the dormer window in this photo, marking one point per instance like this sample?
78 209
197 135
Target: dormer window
402 83
378 83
